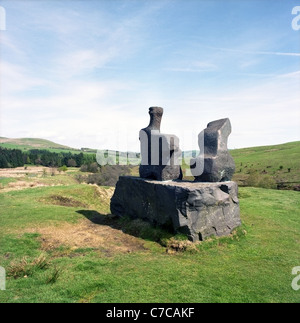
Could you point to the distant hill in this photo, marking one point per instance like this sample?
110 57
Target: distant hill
265 166
33 143
281 162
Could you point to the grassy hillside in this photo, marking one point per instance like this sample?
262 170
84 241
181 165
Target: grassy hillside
33 143
59 244
266 166
281 162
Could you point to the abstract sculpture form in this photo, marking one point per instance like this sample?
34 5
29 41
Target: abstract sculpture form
198 210
160 152
218 164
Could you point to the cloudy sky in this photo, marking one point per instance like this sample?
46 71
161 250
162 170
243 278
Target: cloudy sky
84 73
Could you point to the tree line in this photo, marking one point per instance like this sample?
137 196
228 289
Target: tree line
11 158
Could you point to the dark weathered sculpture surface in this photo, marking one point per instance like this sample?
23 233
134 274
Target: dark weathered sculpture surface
198 210
218 165
160 152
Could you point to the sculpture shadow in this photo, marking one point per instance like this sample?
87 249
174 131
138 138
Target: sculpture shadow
136 228
100 219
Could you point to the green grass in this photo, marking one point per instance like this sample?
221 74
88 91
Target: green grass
5 181
267 166
249 268
280 161
29 207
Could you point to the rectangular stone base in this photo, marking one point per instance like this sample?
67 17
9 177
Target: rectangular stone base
198 210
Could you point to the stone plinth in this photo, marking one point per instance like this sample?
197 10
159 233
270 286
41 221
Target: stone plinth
198 210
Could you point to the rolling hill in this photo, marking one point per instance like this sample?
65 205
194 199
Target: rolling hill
33 143
278 162
281 162
265 166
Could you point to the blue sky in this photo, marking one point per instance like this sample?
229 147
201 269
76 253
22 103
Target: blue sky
84 73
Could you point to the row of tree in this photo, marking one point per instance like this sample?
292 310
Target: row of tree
10 158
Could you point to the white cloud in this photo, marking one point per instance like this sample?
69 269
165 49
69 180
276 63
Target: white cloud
65 98
7 42
91 114
82 61
267 113
255 52
277 53
15 78
191 66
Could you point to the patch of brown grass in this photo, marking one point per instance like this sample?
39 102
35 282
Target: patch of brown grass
105 194
21 171
65 201
88 235
21 185
173 245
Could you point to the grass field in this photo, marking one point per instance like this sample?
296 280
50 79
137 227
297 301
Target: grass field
266 166
280 161
59 244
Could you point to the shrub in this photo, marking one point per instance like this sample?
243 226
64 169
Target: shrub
260 180
81 179
105 176
90 168
108 175
267 182
63 168
94 168
253 179
72 163
84 168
